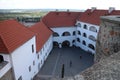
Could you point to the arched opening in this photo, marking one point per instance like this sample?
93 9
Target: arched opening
73 41
92 28
79 25
91 46
84 35
66 44
79 33
1 58
55 34
84 43
78 39
66 34
85 26
55 44
73 33
91 37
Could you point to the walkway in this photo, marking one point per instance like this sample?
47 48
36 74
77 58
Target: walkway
75 60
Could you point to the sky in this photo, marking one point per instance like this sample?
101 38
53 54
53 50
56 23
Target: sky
59 4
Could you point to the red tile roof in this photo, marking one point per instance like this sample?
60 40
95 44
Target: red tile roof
94 17
61 19
12 35
42 34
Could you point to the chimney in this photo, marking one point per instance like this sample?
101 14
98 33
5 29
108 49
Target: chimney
56 10
68 10
111 9
93 8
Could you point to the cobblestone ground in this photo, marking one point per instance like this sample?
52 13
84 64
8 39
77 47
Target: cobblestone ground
75 60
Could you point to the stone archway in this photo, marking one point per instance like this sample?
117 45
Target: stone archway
66 44
55 44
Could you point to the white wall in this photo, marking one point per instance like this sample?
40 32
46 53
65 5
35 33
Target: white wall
44 52
22 58
61 38
88 32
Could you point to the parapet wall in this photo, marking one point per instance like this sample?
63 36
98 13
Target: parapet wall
108 41
8 75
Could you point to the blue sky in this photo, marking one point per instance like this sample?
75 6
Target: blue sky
58 4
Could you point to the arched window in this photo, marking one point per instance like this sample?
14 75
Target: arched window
91 37
73 41
78 39
79 33
1 58
91 46
92 28
84 35
83 42
79 25
73 32
85 26
55 34
66 34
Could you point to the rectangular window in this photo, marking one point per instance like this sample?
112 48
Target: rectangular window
38 56
33 63
29 68
32 48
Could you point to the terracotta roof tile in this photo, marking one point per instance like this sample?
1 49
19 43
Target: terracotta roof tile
61 19
94 17
42 34
12 35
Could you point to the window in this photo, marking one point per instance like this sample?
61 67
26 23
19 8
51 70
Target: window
91 37
73 32
78 39
84 35
32 48
73 41
1 58
92 28
33 63
66 34
91 46
79 25
20 78
41 61
29 68
79 33
55 34
85 26
38 66
38 56
84 43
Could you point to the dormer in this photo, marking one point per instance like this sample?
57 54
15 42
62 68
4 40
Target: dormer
93 8
111 9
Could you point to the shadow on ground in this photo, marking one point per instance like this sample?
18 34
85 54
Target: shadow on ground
74 59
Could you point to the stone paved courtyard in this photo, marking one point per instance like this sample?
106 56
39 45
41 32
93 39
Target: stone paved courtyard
58 57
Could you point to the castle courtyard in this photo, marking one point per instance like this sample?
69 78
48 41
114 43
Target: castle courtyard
75 60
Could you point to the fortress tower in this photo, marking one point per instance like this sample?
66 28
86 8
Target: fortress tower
108 41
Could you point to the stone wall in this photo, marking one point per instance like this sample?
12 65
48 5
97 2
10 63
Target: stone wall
108 41
8 76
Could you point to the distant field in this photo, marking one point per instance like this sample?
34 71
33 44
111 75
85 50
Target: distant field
5 16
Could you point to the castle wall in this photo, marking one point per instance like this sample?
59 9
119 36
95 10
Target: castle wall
108 41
